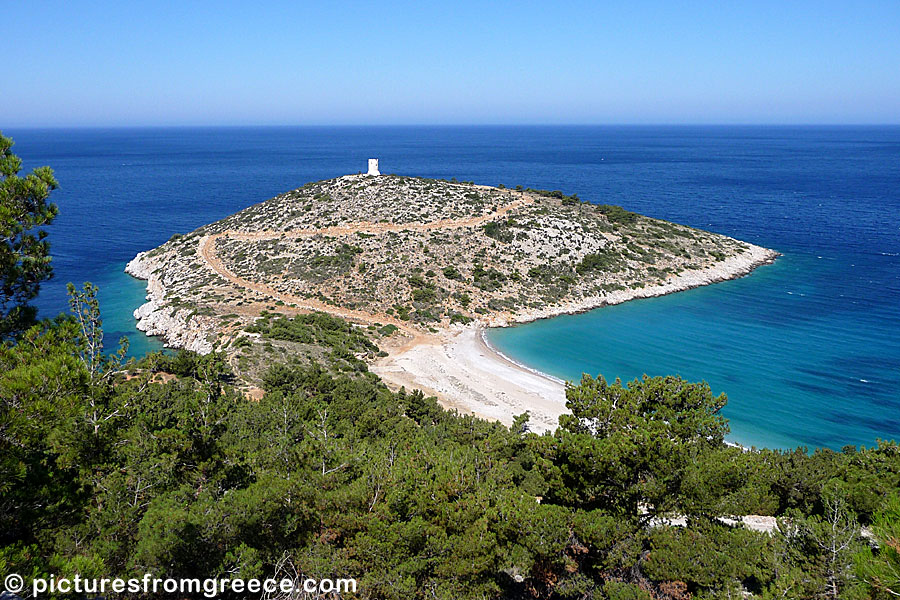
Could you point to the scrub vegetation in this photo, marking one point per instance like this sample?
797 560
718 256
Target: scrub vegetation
368 242
115 469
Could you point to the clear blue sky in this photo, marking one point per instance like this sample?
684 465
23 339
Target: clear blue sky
260 63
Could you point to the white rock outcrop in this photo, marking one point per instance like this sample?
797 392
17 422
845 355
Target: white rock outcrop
179 327
730 268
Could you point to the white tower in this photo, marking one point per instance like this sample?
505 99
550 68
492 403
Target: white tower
373 167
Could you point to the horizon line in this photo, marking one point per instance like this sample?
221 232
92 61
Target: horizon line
385 125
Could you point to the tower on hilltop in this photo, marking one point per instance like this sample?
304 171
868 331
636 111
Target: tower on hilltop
373 167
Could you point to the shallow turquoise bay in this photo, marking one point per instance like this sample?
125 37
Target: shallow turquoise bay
794 374
807 349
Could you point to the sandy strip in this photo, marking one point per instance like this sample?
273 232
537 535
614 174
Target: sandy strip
466 374
455 365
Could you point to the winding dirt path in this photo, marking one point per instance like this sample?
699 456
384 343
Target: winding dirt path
207 249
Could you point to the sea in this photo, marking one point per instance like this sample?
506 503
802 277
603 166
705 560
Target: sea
807 349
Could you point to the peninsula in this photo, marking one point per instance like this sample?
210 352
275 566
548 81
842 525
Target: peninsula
409 271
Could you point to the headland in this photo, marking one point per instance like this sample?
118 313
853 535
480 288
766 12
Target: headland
417 267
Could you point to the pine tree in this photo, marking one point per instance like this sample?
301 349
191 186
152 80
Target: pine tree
24 250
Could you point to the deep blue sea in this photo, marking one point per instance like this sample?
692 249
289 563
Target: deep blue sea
808 349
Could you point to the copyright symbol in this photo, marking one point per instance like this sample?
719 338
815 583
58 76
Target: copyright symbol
14 583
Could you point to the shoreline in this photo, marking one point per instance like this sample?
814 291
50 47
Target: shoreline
465 373
482 334
456 364
495 362
733 267
182 329
177 328
499 387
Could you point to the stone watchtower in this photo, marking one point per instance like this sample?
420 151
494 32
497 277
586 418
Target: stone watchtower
373 167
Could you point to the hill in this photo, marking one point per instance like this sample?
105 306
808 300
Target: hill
409 257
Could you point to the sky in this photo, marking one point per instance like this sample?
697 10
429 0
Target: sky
79 63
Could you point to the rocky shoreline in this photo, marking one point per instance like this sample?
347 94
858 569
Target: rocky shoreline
468 374
733 267
183 328
178 328
421 255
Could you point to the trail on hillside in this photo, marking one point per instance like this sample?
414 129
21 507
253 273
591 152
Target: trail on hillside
207 249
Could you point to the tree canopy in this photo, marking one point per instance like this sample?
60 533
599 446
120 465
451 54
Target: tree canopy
24 249
627 448
162 466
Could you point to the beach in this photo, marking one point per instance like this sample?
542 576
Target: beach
455 364
466 374
795 340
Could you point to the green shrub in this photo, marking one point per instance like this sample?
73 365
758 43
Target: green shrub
499 231
557 194
315 328
599 261
424 295
388 329
417 281
460 318
617 214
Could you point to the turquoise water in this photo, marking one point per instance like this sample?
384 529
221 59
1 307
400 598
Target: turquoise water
120 294
793 377
808 349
